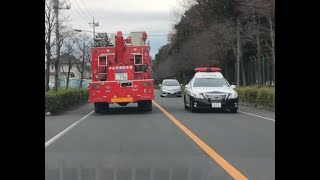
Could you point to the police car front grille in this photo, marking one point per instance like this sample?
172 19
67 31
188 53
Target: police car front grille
215 97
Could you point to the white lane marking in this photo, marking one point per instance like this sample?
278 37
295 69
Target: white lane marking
48 143
257 116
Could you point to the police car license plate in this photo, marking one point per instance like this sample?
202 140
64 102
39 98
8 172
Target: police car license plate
216 105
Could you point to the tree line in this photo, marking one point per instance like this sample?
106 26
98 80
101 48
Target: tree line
220 33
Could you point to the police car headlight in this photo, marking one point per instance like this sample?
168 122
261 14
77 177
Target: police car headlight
233 95
196 95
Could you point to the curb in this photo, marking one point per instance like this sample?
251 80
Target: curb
257 106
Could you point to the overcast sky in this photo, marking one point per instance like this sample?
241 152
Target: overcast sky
152 16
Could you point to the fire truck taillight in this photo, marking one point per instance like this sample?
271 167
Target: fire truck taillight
95 86
146 84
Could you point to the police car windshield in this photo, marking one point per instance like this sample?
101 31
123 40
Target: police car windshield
170 83
210 82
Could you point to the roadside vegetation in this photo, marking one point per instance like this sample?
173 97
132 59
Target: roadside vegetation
257 96
64 98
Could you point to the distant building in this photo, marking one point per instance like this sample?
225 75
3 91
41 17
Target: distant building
74 72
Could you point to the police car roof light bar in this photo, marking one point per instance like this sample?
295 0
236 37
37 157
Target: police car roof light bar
207 69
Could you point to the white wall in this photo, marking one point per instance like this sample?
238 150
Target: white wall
64 68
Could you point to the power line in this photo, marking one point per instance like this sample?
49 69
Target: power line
81 17
114 33
156 35
85 8
83 20
81 10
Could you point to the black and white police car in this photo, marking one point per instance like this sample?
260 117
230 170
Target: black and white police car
209 89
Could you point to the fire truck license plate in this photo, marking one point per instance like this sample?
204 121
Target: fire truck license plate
121 76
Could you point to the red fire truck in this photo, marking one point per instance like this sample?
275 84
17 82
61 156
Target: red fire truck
121 73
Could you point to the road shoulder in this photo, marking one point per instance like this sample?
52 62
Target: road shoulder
54 124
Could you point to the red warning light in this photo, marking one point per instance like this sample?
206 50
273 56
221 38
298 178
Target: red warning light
207 69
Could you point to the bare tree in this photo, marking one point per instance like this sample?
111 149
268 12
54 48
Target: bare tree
177 12
56 6
201 49
68 44
49 26
83 46
266 9
254 11
228 34
171 37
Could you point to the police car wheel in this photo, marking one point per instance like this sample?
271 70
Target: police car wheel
234 110
184 102
192 109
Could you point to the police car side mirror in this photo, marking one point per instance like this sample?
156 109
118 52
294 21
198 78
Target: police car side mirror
187 86
160 85
233 86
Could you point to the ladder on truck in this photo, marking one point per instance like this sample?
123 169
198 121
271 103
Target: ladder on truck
102 66
138 64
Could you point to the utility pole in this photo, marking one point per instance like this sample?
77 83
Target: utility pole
272 50
82 63
56 12
56 64
238 52
263 75
268 69
94 24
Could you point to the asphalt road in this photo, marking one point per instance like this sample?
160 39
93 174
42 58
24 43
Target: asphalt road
124 144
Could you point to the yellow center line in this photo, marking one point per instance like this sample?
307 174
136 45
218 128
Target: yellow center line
214 155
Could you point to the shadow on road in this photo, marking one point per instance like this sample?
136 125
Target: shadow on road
126 110
169 96
218 111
